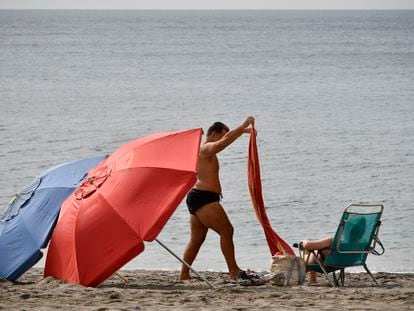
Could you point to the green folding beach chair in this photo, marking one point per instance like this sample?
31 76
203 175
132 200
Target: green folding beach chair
356 237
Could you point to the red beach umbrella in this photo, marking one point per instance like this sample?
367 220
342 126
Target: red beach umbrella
124 201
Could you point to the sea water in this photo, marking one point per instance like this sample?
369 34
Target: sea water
332 93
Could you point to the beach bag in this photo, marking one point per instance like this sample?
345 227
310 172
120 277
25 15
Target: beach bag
291 267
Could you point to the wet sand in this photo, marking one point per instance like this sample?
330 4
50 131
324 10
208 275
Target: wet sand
159 290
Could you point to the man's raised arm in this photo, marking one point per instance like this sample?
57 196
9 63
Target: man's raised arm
228 138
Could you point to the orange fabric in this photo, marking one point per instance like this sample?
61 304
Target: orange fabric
276 244
126 200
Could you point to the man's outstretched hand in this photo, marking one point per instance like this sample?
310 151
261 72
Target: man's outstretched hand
248 124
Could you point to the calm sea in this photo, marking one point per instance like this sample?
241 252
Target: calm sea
332 93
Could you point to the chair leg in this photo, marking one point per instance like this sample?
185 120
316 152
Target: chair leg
342 277
324 271
336 281
339 279
369 272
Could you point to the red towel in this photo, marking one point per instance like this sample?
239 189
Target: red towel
276 244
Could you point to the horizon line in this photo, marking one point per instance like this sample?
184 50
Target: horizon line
204 9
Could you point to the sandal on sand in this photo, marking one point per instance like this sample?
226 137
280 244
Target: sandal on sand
249 278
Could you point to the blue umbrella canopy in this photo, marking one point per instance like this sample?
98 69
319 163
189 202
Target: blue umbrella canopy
30 217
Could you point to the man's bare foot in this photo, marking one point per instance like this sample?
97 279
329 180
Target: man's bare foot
184 277
186 281
234 274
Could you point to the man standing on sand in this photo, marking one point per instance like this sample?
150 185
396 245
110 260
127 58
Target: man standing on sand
203 202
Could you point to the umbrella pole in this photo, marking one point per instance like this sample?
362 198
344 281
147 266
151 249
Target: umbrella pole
195 272
122 278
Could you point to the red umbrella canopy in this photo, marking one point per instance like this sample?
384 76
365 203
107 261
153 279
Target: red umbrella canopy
124 201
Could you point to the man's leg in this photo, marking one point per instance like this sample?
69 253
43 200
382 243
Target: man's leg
213 216
198 235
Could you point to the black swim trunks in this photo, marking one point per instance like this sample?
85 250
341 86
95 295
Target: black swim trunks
198 198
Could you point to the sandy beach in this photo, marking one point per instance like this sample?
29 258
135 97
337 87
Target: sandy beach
159 290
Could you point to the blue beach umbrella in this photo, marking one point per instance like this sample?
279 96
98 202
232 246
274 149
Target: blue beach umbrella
30 217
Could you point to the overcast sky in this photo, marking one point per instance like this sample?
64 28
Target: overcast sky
206 4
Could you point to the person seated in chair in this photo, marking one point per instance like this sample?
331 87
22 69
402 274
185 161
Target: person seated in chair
323 248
